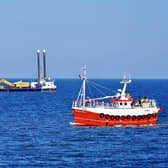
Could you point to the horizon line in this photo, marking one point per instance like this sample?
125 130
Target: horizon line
78 78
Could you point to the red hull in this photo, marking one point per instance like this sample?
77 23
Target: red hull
86 118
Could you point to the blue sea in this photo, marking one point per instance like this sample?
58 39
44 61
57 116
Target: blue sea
35 130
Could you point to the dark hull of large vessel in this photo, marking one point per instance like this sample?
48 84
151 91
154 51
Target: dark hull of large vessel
27 90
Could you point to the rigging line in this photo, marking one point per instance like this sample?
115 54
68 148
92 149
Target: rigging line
99 90
99 85
89 89
102 86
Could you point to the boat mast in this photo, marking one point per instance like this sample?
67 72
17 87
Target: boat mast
82 93
125 81
84 84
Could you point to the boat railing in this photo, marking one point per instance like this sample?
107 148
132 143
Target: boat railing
96 104
93 104
102 104
144 104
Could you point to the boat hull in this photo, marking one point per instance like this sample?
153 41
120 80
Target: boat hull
87 118
26 90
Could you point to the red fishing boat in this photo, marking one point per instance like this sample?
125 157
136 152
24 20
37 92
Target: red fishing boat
116 110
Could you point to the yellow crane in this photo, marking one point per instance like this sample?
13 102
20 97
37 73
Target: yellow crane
18 84
7 82
21 84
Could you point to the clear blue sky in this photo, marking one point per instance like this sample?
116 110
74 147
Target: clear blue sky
109 36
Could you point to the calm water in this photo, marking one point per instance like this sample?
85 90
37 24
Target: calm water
35 131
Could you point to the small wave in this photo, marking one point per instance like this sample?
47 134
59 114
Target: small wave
129 126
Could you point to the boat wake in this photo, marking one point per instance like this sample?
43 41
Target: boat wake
119 126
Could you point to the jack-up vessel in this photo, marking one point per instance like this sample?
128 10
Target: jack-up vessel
43 84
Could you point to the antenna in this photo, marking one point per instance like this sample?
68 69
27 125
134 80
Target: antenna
126 78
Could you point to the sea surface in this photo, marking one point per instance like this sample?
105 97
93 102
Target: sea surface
35 130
